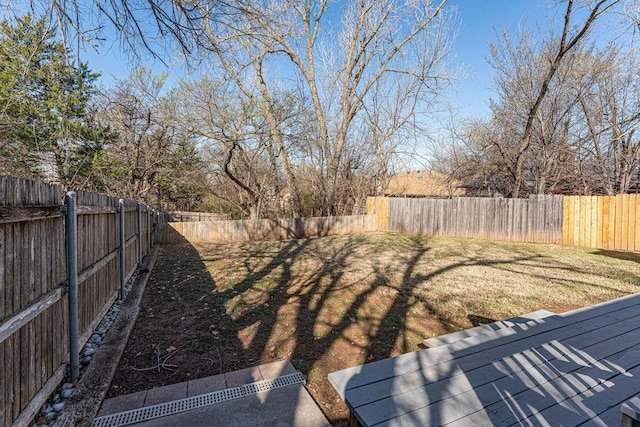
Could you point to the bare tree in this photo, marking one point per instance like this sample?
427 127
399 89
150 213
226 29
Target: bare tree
338 55
236 138
468 155
525 76
150 158
610 119
583 139
548 160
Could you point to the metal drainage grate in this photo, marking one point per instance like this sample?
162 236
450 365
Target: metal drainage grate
182 405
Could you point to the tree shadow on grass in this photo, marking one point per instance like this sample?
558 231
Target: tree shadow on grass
326 304
624 256
480 320
325 315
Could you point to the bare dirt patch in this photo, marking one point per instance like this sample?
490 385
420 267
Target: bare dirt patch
331 303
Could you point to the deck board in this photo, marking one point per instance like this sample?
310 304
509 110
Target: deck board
561 396
502 376
485 329
588 405
522 374
504 344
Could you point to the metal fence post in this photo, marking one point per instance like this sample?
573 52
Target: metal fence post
139 234
72 272
148 229
121 212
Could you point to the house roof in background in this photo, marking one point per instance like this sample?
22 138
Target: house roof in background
422 183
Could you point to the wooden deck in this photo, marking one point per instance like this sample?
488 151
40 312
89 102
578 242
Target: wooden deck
573 368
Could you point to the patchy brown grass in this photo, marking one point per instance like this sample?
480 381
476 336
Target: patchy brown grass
331 303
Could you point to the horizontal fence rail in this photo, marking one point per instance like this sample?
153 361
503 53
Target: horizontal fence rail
34 302
265 229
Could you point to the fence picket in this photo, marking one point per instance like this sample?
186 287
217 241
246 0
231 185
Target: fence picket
4 418
266 229
605 222
617 243
3 286
626 230
535 219
636 218
629 217
34 329
9 261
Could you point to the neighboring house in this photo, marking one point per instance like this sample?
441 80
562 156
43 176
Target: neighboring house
482 189
422 184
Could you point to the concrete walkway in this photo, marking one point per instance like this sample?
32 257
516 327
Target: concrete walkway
280 405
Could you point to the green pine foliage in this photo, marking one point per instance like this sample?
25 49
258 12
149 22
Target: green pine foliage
47 129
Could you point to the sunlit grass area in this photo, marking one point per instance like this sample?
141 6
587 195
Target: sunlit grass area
336 302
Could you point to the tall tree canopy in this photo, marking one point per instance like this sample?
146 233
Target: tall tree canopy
152 156
322 94
46 125
565 115
365 71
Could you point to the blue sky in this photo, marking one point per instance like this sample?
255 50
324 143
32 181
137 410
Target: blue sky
478 21
478 18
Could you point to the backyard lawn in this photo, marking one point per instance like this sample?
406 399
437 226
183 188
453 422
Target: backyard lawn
331 303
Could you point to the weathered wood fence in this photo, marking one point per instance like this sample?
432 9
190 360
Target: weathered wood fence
604 222
180 216
536 219
34 308
265 229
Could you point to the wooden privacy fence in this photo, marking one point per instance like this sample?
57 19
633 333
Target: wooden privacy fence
265 229
536 219
34 303
179 216
603 222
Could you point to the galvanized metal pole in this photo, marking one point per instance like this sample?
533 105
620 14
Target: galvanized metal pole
123 273
72 272
139 234
148 229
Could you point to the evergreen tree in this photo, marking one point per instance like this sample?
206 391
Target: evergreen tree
47 129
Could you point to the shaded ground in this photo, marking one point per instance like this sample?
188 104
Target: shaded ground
331 303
